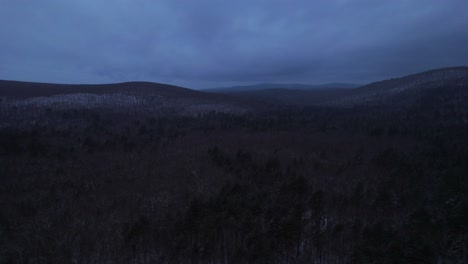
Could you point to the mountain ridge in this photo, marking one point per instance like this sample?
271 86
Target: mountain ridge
135 96
414 85
26 89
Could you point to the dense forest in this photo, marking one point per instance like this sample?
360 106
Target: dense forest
283 184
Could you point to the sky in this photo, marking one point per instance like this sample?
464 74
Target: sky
214 43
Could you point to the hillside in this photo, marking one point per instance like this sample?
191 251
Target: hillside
409 89
25 100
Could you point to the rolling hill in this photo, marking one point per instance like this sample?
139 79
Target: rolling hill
129 96
408 90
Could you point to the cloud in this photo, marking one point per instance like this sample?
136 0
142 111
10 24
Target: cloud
211 43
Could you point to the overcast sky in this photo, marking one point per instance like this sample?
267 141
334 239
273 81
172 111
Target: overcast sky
202 43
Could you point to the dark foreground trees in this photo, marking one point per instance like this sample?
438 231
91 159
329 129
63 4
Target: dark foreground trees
310 186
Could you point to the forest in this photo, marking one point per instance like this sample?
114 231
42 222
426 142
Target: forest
280 184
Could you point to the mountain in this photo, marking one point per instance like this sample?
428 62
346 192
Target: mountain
130 97
289 86
408 90
31 89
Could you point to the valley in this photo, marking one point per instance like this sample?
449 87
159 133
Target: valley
152 173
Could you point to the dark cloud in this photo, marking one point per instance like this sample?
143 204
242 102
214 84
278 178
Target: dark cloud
209 43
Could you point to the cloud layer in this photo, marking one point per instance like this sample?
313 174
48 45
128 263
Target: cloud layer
212 43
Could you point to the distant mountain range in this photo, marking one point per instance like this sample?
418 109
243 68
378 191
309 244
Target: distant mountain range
292 86
396 92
